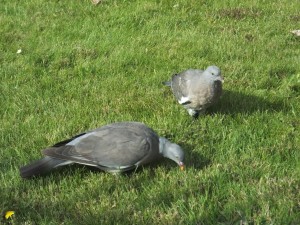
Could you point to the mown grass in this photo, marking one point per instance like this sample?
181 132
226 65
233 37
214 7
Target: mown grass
83 66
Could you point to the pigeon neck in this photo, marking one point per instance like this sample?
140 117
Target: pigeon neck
162 142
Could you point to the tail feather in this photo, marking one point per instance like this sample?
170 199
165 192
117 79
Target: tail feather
167 83
41 166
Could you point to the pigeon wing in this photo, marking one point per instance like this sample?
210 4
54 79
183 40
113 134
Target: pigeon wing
182 84
109 146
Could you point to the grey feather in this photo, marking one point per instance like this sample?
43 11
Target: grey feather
41 166
116 147
196 89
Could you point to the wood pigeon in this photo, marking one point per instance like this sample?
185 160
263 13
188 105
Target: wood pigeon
115 147
196 89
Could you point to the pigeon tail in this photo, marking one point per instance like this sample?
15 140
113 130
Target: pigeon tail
167 83
41 166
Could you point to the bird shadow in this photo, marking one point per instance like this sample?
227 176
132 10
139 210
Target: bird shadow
194 159
75 170
233 102
67 171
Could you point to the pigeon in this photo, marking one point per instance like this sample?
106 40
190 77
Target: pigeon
115 148
196 89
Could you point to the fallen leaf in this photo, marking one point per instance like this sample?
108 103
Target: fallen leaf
296 32
9 214
95 2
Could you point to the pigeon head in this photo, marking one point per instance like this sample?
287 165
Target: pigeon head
172 151
215 72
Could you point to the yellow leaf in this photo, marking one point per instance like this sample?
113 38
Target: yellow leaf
9 214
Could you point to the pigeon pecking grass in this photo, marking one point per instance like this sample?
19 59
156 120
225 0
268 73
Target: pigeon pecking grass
114 148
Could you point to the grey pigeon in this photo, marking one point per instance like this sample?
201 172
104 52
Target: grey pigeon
116 147
196 89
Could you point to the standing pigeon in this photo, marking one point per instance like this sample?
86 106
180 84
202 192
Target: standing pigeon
196 89
116 147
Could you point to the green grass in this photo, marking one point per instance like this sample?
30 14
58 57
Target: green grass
83 66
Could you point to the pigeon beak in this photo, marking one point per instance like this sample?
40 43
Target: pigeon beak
181 165
222 79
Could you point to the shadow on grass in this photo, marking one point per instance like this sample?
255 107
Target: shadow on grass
66 211
70 171
194 159
59 210
57 174
233 102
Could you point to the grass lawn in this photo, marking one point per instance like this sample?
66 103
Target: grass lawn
82 66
